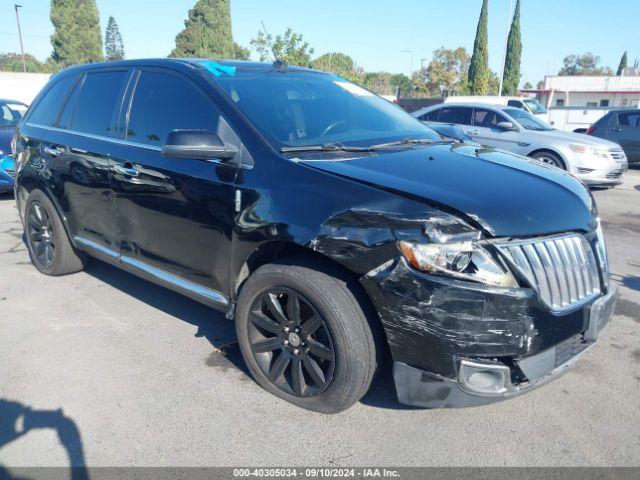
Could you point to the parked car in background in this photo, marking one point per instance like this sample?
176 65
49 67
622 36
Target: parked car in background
622 127
11 112
576 119
595 161
331 225
450 131
527 104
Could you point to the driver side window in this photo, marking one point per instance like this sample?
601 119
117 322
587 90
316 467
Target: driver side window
163 102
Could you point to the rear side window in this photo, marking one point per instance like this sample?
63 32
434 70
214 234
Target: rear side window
47 110
96 103
163 102
487 118
515 103
459 115
629 119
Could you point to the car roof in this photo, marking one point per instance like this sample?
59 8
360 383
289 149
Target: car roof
241 65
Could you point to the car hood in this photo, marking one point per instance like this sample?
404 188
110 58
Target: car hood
572 137
505 194
5 139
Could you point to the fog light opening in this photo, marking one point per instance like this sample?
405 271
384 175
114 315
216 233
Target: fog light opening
484 379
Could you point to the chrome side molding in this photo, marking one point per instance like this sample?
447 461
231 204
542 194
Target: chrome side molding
157 275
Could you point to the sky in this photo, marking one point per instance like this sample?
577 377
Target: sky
375 33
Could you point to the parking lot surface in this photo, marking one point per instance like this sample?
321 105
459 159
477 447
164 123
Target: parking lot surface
105 369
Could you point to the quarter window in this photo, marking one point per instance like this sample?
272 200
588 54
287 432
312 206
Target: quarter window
629 119
458 115
95 107
47 110
164 102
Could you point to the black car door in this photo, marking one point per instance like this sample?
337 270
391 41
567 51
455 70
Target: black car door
175 216
76 149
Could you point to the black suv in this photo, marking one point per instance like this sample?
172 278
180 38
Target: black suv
334 228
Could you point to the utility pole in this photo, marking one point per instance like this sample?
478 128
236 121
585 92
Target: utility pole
24 63
410 52
506 41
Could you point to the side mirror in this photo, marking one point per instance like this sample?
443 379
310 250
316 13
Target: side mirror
197 144
507 126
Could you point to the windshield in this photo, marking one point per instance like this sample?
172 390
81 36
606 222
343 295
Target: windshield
527 120
11 113
535 105
294 108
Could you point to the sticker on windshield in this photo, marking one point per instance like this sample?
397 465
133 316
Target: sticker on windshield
218 69
354 89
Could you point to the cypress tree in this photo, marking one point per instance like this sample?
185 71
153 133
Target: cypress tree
479 66
207 33
512 60
113 46
623 64
77 37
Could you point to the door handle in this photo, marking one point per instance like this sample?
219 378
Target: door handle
52 151
473 132
128 171
616 129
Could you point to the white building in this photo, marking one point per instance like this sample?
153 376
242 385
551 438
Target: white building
588 91
22 86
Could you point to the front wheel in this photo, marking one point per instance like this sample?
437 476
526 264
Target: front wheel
305 337
549 158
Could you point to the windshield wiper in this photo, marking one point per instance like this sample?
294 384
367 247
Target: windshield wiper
327 147
404 141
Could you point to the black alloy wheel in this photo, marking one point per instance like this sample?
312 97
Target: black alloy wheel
40 234
291 342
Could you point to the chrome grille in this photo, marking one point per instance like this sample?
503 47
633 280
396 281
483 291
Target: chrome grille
563 270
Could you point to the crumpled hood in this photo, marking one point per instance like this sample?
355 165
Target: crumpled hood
507 194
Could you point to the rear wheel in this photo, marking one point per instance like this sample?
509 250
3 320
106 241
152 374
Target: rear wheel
549 158
49 247
305 337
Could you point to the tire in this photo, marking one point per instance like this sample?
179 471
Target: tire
549 158
47 241
345 331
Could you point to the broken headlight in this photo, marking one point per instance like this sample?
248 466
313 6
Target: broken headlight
464 260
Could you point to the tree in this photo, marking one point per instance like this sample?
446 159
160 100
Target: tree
447 70
339 64
207 33
77 37
585 64
479 65
289 48
511 77
622 65
113 46
12 62
528 86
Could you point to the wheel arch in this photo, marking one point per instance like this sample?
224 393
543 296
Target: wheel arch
552 151
279 250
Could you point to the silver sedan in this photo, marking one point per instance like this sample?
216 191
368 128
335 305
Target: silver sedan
595 161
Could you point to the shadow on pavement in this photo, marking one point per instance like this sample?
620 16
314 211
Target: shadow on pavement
16 420
212 325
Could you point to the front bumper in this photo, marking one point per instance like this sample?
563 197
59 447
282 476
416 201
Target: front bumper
434 325
599 172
